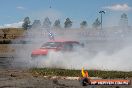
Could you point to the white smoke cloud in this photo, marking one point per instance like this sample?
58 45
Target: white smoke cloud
92 56
119 7
120 60
117 59
12 25
20 7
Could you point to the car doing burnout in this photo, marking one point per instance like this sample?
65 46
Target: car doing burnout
66 46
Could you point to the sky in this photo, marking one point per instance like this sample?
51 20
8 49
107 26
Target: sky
12 12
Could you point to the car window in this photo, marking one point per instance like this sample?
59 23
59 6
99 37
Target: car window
68 46
71 45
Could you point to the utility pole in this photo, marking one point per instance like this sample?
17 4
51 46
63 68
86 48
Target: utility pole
101 12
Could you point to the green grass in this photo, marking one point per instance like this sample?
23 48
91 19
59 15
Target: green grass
77 73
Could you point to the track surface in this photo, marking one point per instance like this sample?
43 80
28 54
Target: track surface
22 78
16 78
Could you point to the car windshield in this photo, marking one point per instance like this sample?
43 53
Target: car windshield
51 45
71 45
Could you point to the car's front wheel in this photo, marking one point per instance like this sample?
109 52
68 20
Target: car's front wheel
38 60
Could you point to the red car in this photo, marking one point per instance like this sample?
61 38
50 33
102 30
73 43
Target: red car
55 46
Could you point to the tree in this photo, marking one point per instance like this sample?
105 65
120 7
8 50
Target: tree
123 20
68 23
26 23
83 24
57 24
36 24
47 23
96 24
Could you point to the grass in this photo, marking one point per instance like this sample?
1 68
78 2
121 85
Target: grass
77 73
11 34
17 31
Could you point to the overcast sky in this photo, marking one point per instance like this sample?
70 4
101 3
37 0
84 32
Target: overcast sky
14 11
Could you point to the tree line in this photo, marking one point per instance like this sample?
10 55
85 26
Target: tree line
68 23
57 24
